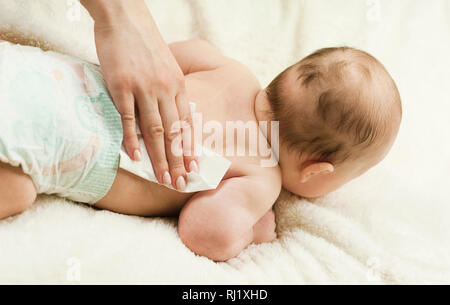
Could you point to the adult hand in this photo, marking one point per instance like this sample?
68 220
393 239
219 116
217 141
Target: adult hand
146 82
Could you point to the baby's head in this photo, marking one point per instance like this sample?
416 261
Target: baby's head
339 112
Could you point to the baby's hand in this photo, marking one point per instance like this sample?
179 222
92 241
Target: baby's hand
264 229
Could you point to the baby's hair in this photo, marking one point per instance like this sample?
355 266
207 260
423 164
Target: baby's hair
352 102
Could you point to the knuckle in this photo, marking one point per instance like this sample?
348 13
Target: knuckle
159 162
160 168
187 121
149 87
167 83
163 81
155 131
179 81
164 87
173 134
150 91
177 168
127 117
122 81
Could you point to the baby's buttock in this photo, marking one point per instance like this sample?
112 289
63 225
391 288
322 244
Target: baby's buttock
58 123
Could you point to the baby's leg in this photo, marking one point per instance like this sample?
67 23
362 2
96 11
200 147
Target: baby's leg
17 191
264 229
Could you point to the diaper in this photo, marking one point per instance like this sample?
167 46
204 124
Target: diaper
58 122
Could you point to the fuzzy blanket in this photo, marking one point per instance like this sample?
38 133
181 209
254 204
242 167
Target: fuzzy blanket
390 226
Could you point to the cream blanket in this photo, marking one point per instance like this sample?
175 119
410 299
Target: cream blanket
390 226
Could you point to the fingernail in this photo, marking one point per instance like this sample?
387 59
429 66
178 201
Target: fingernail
166 178
181 183
193 167
137 155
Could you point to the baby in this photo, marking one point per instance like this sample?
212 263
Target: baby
338 110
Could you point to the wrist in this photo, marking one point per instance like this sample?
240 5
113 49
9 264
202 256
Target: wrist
107 13
99 9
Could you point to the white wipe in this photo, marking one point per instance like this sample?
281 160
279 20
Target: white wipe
212 167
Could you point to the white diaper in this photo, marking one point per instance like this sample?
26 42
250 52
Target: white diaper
57 122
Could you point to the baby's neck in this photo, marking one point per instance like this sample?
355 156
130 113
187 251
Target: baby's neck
263 113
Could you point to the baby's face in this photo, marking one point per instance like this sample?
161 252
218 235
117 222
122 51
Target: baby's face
324 178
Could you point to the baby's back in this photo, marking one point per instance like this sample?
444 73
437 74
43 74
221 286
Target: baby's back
225 111
225 119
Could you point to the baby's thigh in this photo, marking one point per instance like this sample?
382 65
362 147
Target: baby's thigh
133 195
17 190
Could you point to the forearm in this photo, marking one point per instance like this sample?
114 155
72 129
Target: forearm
110 13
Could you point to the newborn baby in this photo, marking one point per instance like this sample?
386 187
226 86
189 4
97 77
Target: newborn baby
338 110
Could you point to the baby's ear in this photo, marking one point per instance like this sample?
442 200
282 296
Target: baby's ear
315 169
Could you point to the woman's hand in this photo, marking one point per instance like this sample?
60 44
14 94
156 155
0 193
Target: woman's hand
145 81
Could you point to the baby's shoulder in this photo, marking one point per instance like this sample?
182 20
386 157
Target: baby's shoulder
263 178
232 74
239 71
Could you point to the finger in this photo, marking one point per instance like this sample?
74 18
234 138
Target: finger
173 142
153 134
187 133
125 106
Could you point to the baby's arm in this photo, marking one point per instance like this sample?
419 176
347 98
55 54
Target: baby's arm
197 55
220 223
